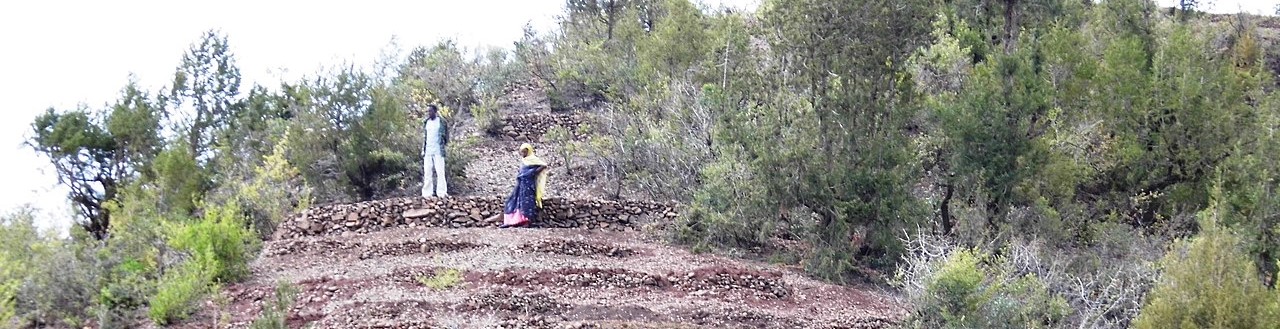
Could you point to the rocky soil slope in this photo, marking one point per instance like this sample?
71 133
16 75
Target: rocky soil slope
431 263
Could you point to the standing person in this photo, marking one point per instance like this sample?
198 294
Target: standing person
435 138
531 181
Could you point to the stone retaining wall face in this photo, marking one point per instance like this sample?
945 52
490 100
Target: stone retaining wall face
532 127
457 212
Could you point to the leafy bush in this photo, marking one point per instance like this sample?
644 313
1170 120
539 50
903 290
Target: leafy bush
446 72
460 153
956 292
179 293
353 137
961 290
276 312
219 247
495 72
17 235
126 288
180 180
132 258
563 137
8 291
220 244
272 189
722 212
61 284
1209 282
583 75
9 283
487 117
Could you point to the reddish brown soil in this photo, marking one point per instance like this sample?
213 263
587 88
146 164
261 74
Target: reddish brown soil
536 278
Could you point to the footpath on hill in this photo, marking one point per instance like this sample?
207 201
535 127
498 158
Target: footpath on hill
593 263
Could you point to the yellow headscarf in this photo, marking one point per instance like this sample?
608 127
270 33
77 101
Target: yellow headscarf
531 159
534 160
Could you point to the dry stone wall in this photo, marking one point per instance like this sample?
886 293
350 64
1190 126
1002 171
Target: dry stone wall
364 217
532 127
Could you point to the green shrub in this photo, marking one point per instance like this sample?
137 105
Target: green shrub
180 179
179 292
723 208
562 137
957 288
269 188
442 280
61 283
460 153
966 289
125 288
45 280
219 244
1209 282
446 71
495 71
581 77
487 117
276 313
17 234
131 259
8 291
353 137
379 172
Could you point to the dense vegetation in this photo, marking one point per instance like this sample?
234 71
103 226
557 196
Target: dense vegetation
1034 163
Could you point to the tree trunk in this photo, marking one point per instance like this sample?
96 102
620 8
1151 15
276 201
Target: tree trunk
1010 25
197 129
944 209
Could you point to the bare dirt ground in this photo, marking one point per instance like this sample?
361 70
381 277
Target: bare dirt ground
537 278
533 278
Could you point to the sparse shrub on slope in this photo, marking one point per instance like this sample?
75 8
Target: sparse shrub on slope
179 293
660 139
442 280
270 190
460 152
487 116
221 243
276 311
133 257
44 281
16 236
60 286
961 288
8 290
219 247
1031 284
1209 282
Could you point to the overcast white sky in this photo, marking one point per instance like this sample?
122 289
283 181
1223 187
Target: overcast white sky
61 53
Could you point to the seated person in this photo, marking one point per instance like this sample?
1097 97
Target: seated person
525 201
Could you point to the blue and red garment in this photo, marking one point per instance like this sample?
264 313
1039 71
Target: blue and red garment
526 200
